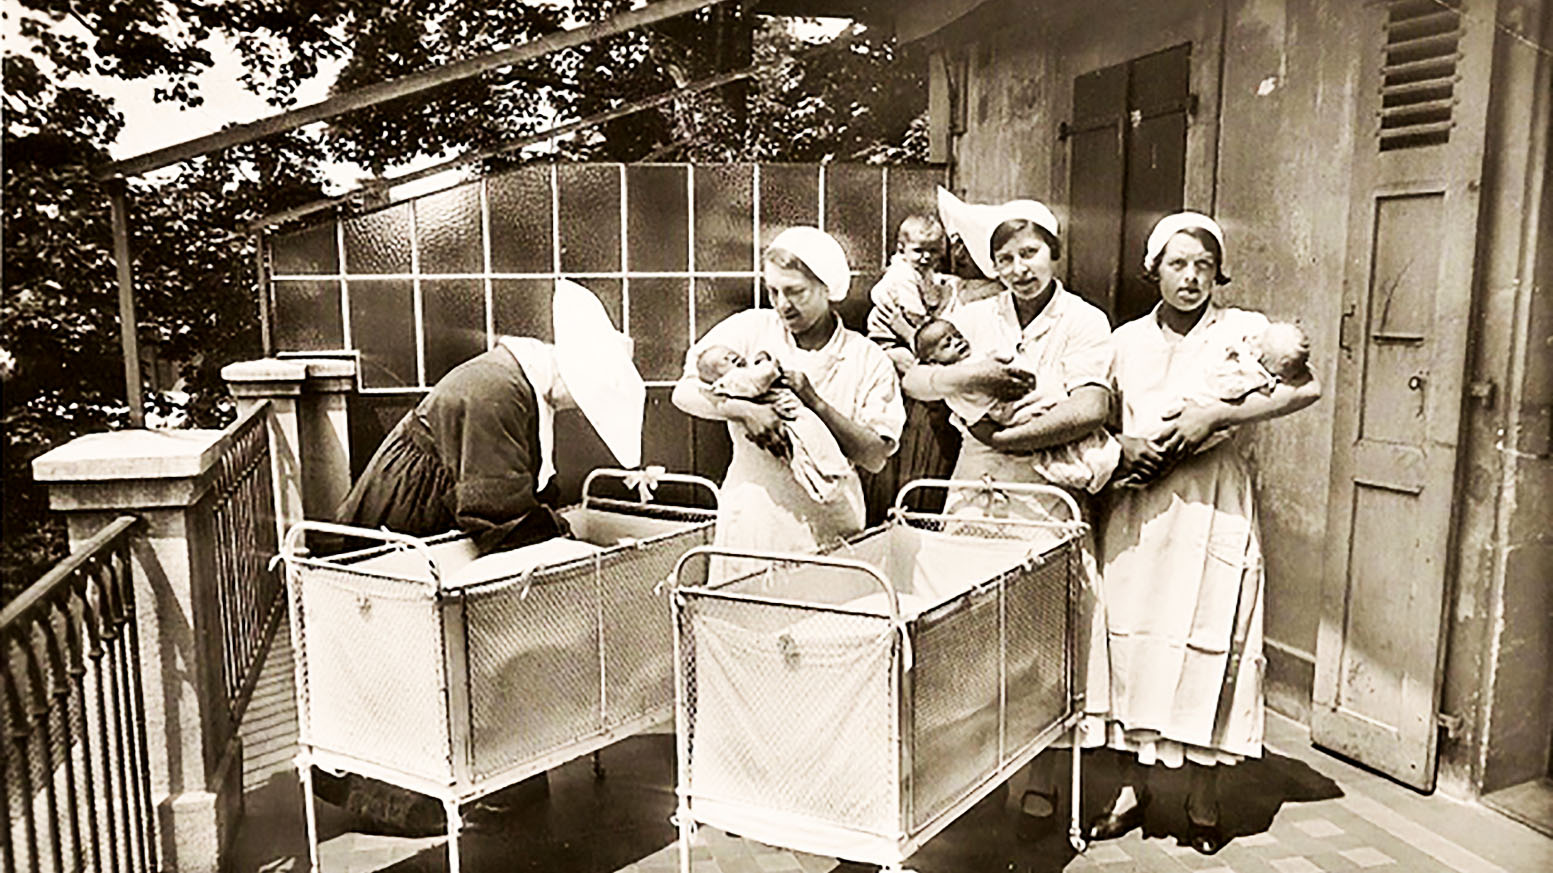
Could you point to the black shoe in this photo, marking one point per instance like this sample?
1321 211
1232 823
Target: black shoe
1205 838
1112 825
1031 826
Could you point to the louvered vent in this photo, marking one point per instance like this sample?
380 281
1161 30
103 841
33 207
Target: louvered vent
1418 77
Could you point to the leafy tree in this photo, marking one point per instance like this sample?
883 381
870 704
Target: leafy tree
193 257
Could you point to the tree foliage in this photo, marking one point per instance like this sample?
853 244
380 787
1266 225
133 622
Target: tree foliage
193 257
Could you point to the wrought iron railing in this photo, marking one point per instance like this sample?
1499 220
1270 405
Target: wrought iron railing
248 590
77 773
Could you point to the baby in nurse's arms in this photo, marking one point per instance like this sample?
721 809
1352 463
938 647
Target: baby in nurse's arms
1084 464
1250 365
816 459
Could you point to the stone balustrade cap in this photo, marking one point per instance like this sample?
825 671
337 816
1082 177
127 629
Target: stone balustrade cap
130 454
330 368
265 370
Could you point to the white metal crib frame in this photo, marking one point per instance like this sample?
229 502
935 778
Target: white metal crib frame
820 836
456 783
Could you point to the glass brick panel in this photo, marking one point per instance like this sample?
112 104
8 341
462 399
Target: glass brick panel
307 315
447 229
453 327
854 213
378 242
657 219
314 251
725 201
719 297
789 195
590 217
666 437
521 307
383 329
854 309
521 232
908 191
660 325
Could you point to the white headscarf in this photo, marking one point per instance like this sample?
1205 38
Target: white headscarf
594 361
975 223
820 252
1173 224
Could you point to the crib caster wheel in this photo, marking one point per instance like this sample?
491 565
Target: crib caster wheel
1078 842
598 768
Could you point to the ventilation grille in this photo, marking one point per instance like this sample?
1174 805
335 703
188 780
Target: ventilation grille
1418 77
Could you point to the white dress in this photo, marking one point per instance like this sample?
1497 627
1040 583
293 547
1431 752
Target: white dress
1068 343
761 505
1183 565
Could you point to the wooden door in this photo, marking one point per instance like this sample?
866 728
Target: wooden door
1407 307
1126 169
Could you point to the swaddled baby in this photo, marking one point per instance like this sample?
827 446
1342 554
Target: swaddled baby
817 461
1281 353
1083 464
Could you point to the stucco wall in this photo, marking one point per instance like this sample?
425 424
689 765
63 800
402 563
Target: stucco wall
1268 155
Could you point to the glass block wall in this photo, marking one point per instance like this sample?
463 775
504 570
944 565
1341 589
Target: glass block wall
419 286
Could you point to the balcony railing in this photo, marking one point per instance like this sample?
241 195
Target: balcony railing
77 771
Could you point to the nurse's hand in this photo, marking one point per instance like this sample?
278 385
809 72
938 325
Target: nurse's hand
762 426
997 378
798 382
785 402
1187 430
1142 460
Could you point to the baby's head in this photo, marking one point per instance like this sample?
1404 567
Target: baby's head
939 342
716 360
1285 350
921 241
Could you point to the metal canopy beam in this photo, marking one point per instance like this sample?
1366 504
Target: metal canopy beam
404 86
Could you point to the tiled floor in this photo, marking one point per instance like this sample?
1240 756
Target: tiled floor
1297 810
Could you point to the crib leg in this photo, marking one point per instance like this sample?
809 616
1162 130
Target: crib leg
598 766
686 829
1075 829
455 827
304 764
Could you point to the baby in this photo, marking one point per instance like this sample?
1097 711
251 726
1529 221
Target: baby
1250 365
817 461
911 286
1082 464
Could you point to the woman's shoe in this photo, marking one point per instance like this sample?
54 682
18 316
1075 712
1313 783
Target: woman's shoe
1112 825
1205 838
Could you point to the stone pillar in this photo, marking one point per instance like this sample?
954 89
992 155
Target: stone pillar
165 478
326 458
312 443
279 382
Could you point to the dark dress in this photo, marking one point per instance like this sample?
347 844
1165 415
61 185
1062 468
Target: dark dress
465 457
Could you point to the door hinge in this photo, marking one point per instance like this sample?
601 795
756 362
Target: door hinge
1451 723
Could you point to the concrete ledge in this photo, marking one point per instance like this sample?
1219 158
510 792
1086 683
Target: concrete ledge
131 454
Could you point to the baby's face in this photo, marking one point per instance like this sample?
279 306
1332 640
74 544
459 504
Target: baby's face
716 361
947 347
923 250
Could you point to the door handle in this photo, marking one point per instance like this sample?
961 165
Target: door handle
1344 338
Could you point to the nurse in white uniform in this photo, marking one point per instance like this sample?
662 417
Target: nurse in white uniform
844 378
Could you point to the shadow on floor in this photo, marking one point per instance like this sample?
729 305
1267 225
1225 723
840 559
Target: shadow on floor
588 824
985 838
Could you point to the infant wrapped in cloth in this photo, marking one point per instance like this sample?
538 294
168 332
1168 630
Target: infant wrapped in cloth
1085 464
817 461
